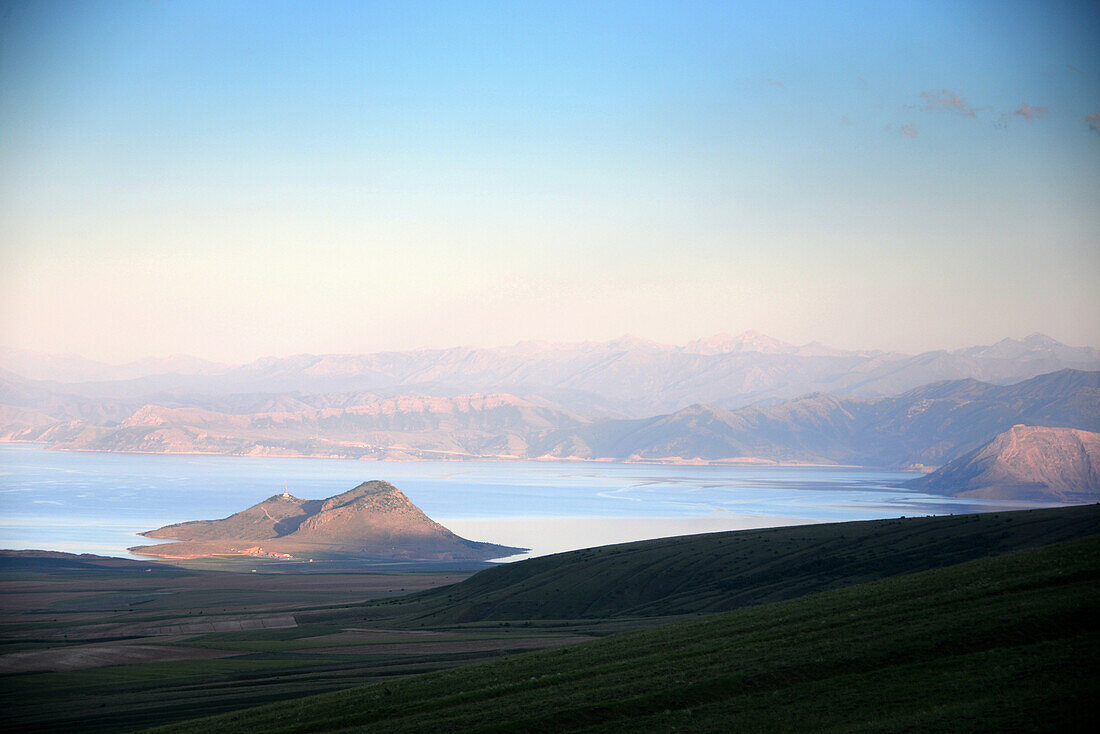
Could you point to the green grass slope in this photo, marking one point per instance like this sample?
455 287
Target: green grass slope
1004 643
718 572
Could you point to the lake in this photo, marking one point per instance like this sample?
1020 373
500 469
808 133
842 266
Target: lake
86 502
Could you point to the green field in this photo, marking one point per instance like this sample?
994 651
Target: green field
1006 643
58 613
829 624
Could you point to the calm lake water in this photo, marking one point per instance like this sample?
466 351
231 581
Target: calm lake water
85 502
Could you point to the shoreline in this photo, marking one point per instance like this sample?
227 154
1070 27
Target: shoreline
445 456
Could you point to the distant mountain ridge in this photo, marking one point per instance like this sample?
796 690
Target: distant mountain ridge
374 520
750 397
75 369
926 426
352 426
624 378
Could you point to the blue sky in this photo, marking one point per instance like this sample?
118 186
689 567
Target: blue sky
241 179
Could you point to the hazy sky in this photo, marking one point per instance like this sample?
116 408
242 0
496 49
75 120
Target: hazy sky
233 179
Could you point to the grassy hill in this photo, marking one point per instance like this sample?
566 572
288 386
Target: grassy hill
325 638
1003 643
718 572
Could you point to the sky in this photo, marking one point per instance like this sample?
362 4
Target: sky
233 180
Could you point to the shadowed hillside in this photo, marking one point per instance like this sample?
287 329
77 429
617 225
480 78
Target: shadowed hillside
1000 644
245 639
722 571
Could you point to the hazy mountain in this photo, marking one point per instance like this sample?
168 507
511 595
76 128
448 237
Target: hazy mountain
373 520
749 341
1036 347
816 428
176 364
926 426
25 405
1009 360
627 377
1024 462
75 369
401 427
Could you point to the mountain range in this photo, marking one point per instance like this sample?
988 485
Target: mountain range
625 378
926 426
923 426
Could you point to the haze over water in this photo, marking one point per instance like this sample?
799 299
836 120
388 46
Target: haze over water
86 502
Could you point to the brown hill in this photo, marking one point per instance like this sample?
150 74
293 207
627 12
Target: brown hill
1024 462
274 517
375 520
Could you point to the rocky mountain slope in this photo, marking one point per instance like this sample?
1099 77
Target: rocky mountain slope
1024 462
374 520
